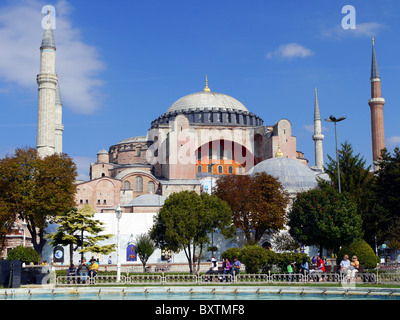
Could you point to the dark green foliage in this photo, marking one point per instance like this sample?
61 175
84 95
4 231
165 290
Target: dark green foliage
185 221
231 253
355 177
324 218
24 254
281 260
258 259
362 250
254 258
386 201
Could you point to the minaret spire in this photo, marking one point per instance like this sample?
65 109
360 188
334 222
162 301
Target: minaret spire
318 136
376 104
47 81
59 127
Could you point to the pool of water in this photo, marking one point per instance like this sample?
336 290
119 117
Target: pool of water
197 296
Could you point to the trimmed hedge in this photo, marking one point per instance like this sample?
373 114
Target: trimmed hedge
258 259
24 254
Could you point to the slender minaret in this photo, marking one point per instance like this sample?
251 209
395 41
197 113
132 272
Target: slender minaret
318 136
376 104
47 81
59 127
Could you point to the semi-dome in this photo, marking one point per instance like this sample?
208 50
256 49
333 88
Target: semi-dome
207 100
292 174
148 200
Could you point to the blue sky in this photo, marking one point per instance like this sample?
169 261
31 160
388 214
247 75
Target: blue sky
121 64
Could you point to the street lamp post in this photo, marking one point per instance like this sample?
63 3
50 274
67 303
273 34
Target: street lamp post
211 165
334 120
24 225
118 214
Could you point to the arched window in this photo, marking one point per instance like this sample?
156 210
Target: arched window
220 169
230 169
127 185
151 187
139 184
199 169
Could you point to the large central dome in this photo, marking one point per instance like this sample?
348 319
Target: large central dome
207 100
209 108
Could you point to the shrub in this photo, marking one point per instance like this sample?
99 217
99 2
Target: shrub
24 254
231 253
362 250
282 259
254 257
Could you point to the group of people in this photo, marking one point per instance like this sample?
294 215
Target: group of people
346 267
228 267
84 270
349 268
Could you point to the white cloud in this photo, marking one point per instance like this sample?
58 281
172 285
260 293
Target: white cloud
366 29
310 128
78 65
393 141
289 51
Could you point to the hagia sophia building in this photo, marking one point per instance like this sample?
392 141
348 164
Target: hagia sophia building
200 137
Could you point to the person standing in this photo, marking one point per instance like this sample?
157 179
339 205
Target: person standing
290 269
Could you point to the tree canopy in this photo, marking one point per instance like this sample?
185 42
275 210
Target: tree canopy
385 202
36 189
324 218
185 221
258 203
79 228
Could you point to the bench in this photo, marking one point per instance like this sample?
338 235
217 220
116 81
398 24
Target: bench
162 267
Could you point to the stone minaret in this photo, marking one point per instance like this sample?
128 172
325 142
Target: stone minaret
376 104
47 81
318 136
59 127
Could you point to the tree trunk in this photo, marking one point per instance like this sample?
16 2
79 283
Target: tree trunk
38 246
71 253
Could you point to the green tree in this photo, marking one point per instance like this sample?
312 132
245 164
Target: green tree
24 254
78 228
144 248
357 180
185 221
355 176
36 189
325 218
258 203
386 196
